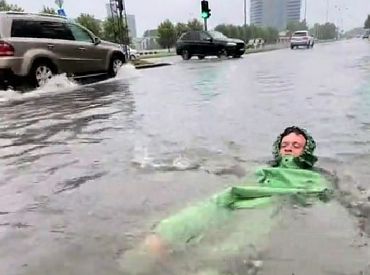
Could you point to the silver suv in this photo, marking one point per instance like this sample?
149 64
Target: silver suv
37 46
302 38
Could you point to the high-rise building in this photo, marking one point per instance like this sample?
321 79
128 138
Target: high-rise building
275 13
131 23
293 10
256 12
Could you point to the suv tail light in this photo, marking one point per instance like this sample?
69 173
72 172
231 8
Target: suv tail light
6 49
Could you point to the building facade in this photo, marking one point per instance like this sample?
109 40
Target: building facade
293 10
275 13
131 23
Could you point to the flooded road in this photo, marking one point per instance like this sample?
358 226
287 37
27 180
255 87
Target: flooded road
87 170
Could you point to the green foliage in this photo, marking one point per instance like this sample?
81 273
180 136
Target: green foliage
195 25
270 35
180 29
48 10
89 22
297 26
115 31
167 34
4 6
325 31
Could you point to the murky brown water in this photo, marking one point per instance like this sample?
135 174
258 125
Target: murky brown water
87 170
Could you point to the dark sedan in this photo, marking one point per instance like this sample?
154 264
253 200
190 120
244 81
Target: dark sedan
208 43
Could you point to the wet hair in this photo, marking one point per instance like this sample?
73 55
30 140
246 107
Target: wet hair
293 129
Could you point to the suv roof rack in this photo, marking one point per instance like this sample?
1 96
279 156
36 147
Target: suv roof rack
32 14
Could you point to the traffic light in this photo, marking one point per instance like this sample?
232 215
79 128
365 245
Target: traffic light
205 9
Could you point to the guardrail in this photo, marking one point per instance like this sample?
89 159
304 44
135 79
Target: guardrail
156 51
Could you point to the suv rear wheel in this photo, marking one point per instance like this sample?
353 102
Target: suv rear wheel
185 55
222 53
41 72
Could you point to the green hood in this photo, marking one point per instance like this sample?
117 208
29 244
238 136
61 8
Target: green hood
305 161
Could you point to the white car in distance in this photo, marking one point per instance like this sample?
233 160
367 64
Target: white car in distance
302 38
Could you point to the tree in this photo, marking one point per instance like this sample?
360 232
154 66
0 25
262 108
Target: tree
297 26
367 22
270 35
325 31
195 25
4 6
180 29
89 22
167 35
48 10
115 32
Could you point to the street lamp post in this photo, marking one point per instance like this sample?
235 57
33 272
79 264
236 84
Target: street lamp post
305 11
245 20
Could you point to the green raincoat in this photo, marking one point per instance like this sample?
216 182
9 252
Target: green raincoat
204 238
289 177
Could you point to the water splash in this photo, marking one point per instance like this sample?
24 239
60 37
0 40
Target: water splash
62 84
57 84
128 71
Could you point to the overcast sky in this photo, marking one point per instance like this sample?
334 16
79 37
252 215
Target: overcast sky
150 13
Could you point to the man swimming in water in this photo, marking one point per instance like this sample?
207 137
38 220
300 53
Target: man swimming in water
293 158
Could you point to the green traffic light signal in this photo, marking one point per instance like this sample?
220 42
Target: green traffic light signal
205 11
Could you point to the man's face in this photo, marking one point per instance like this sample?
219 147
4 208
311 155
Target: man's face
292 145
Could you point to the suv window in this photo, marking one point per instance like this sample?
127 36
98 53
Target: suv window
79 33
195 36
40 29
300 34
204 36
185 36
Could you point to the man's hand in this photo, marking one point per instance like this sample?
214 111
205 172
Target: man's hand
155 245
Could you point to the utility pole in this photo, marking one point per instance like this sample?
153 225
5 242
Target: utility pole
305 11
121 12
245 21
123 27
126 23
